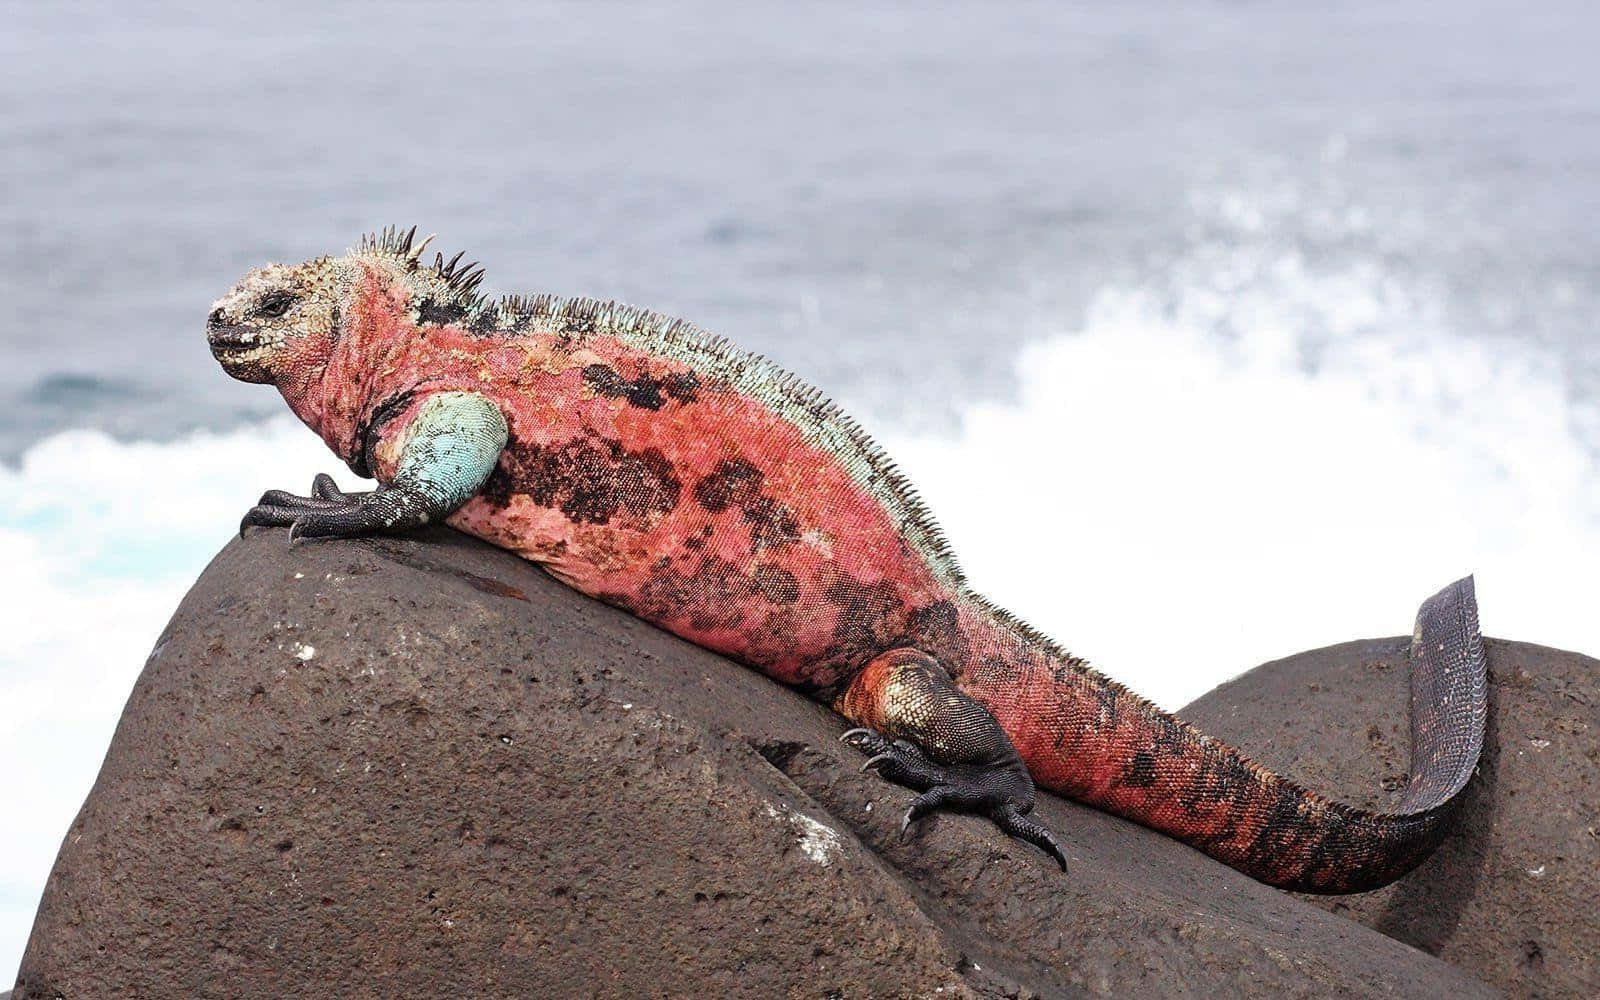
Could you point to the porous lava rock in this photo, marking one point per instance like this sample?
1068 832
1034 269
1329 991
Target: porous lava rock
419 767
1513 895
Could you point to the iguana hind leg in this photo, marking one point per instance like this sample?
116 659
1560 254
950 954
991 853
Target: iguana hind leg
924 732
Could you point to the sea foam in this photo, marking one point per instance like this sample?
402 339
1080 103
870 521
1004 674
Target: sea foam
100 540
1187 486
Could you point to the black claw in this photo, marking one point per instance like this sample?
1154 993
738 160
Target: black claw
328 511
866 740
325 488
1014 823
283 498
310 518
924 804
266 515
902 762
876 761
344 521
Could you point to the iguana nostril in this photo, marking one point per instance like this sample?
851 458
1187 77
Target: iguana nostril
216 317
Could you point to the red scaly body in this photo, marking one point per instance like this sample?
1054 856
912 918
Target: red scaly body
660 470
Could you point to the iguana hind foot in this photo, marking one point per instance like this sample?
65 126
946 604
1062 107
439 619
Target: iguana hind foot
941 743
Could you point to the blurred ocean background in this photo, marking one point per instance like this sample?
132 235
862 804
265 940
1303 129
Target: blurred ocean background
1212 332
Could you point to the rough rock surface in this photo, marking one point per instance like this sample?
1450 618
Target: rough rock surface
419 767
1512 895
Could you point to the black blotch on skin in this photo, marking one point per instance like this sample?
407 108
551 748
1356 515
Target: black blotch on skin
1105 697
369 430
737 483
777 584
605 380
713 595
590 480
1322 862
577 477
1169 737
1223 777
771 524
1222 834
439 313
646 482
717 593
1272 848
1141 772
871 619
936 631
734 482
487 322
501 485
699 539
682 386
644 391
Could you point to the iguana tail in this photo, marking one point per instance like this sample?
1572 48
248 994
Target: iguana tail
1090 739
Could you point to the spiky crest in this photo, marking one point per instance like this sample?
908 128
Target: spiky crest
390 240
460 280
463 279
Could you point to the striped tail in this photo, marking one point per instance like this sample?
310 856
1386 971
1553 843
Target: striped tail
1100 744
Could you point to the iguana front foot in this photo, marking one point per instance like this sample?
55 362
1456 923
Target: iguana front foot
946 746
280 508
331 513
450 449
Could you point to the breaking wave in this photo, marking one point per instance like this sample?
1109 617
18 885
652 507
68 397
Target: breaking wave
1269 450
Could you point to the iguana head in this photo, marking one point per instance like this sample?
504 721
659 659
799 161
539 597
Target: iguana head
279 319
282 321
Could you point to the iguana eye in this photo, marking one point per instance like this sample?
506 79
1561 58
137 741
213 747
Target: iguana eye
274 304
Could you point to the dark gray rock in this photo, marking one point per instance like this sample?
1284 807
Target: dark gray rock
420 767
1514 895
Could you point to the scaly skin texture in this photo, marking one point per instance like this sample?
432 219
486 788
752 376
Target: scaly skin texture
660 470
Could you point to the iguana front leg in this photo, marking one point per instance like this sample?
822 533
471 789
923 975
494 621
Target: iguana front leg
450 448
924 732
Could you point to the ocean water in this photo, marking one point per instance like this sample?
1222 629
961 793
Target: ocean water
1210 332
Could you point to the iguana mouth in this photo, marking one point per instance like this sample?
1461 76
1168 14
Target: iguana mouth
242 353
233 340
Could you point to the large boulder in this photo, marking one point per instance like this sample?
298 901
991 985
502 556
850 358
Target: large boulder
1514 894
417 766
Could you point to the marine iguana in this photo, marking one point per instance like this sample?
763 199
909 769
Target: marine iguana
657 468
